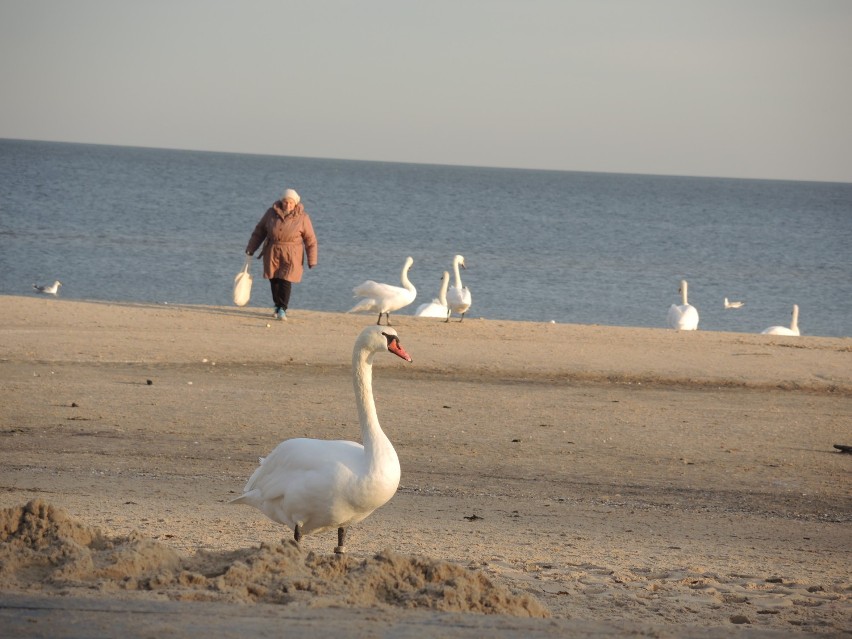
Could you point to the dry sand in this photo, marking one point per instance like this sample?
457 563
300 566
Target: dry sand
558 480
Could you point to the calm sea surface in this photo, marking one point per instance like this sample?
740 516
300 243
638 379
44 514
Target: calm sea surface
150 225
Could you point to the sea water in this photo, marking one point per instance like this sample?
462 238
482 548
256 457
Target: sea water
170 226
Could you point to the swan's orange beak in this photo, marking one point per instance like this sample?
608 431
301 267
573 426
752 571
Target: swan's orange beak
396 348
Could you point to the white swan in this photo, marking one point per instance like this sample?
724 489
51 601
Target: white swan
685 316
385 298
458 296
733 304
314 485
783 330
48 289
438 306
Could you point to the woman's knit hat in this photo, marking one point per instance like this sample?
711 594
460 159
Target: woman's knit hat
290 194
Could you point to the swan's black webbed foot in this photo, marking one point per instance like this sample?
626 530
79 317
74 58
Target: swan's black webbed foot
297 533
341 538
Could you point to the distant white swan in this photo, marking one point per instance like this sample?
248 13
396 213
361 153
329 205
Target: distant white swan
733 304
783 330
48 289
458 296
384 298
314 485
438 306
685 316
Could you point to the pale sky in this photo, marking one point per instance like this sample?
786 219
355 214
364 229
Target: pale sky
735 88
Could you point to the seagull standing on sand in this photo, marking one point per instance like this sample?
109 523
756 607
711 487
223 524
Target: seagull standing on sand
733 304
48 289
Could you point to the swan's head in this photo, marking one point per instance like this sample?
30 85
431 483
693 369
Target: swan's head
376 339
459 259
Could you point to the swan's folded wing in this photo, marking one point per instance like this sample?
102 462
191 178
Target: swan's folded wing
690 318
295 457
376 289
458 298
683 317
673 316
453 296
779 330
432 309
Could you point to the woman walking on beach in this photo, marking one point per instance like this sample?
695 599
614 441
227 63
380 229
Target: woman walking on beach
286 227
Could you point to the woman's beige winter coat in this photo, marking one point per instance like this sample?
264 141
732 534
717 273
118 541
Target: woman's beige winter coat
287 236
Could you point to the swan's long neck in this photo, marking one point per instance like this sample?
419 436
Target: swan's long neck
406 283
683 295
372 435
794 323
442 294
456 271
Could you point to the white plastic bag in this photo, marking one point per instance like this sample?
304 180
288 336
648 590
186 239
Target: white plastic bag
242 284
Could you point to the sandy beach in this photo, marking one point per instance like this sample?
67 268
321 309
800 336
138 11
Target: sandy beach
557 480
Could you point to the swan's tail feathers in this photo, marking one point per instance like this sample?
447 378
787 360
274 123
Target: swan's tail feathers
363 305
251 497
242 499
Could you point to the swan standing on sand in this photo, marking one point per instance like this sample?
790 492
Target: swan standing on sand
314 485
438 306
48 289
783 330
385 298
733 304
685 316
458 296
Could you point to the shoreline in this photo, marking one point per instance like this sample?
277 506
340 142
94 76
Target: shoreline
629 480
590 353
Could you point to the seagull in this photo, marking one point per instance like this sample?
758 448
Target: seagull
733 304
48 289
